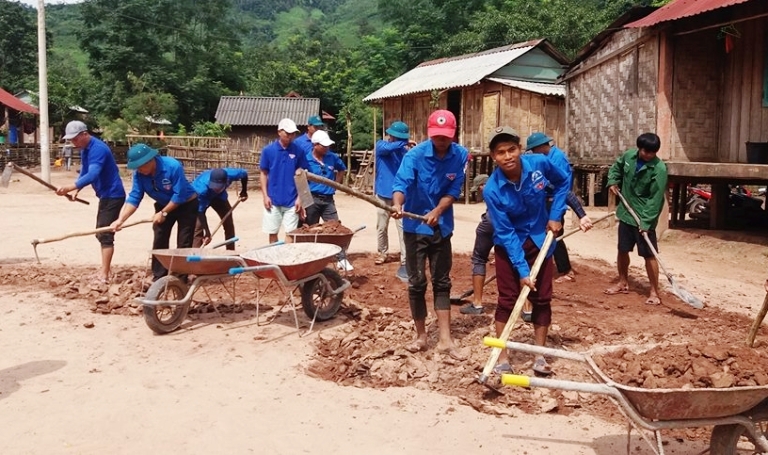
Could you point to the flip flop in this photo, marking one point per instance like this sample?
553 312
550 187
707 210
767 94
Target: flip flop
653 301
541 367
416 346
453 353
617 290
503 368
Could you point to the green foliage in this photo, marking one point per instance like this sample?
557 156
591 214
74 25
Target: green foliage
18 41
115 130
210 129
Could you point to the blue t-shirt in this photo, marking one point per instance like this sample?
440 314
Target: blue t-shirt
328 168
519 210
280 165
304 142
167 185
389 155
205 195
557 157
100 170
424 179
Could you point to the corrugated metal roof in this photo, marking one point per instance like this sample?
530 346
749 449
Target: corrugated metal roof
265 111
682 8
451 73
535 87
16 104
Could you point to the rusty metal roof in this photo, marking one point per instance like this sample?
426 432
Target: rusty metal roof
265 111
456 72
679 9
16 104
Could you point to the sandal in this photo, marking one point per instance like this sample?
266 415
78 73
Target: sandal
453 353
652 301
416 346
472 309
503 368
541 367
380 259
617 290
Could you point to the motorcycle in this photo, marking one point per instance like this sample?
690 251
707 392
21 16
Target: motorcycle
739 198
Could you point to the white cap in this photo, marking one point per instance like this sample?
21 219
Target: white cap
74 128
287 125
322 138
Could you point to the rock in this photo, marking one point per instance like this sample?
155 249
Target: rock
548 405
702 367
718 353
101 299
722 380
89 325
761 378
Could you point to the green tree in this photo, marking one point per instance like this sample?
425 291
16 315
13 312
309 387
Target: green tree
18 46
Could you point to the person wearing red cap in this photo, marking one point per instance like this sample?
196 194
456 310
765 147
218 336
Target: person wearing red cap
429 180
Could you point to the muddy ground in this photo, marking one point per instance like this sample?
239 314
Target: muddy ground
367 350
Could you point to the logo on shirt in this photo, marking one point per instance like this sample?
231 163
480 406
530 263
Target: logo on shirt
291 155
166 184
538 181
451 177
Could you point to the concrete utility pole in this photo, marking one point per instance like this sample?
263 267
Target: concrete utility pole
45 143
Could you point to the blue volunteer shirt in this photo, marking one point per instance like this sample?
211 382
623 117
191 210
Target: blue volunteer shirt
519 210
328 168
425 179
557 157
205 195
389 155
167 185
280 164
304 142
100 170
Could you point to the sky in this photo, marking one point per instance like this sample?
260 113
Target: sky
34 2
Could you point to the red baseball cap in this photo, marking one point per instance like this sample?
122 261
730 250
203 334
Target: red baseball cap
441 123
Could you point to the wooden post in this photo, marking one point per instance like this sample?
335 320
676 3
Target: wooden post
348 119
675 204
718 205
591 188
611 208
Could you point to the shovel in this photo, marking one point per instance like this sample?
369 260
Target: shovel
518 308
371 200
100 230
684 295
6 178
223 219
469 292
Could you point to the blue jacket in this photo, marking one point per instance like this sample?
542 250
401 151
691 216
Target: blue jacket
519 210
168 184
280 164
389 155
100 170
328 168
205 195
424 179
304 142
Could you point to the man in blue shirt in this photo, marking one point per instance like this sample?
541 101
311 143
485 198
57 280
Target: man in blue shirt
429 180
161 178
278 164
211 188
541 143
516 198
389 155
321 161
98 169
314 124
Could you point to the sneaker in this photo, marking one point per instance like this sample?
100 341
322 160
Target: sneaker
471 309
344 264
402 273
380 259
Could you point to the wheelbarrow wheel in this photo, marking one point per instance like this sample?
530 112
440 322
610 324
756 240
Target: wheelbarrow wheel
735 439
164 319
315 296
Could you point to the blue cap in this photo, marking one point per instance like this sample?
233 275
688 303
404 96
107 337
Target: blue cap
218 180
139 155
315 120
536 139
399 130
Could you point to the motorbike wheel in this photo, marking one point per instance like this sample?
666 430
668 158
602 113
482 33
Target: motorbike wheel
696 206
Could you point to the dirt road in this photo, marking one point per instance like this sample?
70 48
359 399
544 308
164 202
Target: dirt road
230 386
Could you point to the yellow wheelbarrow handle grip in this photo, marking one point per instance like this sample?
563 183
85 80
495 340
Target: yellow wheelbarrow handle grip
517 380
492 342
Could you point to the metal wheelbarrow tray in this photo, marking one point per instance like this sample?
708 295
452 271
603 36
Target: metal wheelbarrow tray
738 414
295 261
175 260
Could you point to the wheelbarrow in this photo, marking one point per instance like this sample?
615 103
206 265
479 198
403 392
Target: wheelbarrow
739 415
341 239
167 301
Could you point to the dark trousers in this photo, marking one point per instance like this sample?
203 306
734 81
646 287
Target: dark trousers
185 217
418 249
109 211
324 208
508 280
221 207
562 261
483 245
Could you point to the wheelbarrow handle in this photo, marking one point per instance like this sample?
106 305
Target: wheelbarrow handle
226 242
518 380
532 349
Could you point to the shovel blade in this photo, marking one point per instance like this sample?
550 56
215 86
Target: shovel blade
5 179
684 295
302 187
